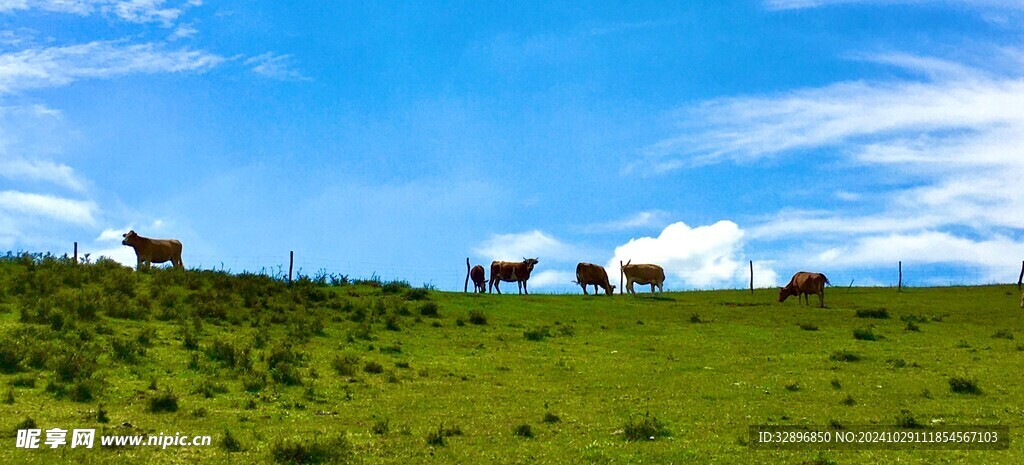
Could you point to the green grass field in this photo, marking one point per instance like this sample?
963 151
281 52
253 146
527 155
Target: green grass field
384 373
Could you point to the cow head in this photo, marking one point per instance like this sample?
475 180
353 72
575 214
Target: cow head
129 238
785 292
610 290
530 263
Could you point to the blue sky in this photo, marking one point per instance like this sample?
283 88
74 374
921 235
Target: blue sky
396 139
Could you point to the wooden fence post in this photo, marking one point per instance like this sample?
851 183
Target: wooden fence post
751 276
291 264
465 287
899 284
76 253
1021 277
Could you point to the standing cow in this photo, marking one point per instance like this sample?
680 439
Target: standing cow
477 274
589 273
518 272
803 285
644 274
149 251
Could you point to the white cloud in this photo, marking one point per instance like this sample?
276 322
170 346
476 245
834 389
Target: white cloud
132 11
705 256
60 66
276 66
61 209
532 244
955 135
550 279
41 170
997 256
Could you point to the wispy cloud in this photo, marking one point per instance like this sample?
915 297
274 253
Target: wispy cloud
60 66
957 131
41 170
80 212
274 66
132 11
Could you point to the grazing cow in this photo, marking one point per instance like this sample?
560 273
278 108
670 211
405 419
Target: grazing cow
518 272
149 251
589 273
644 274
479 279
803 285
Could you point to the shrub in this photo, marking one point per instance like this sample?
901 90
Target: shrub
523 431
24 381
551 418
865 334
793 387
961 385
844 356
911 326
126 350
429 309
695 318
906 420
380 426
70 367
373 367
808 326
345 365
285 373
849 401
1003 334
537 334
477 317
437 438
319 450
395 287
647 428
11 355
166 401
101 414
209 388
418 293
255 382
879 313
230 443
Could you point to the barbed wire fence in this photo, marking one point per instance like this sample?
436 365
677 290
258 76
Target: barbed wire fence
451 276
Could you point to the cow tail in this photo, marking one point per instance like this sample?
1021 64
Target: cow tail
826 280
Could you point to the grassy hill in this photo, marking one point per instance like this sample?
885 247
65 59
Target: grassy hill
330 370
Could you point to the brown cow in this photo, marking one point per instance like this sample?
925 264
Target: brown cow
477 274
644 274
518 272
803 285
149 251
589 273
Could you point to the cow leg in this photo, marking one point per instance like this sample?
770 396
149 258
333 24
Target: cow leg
629 287
526 291
584 289
821 298
652 288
